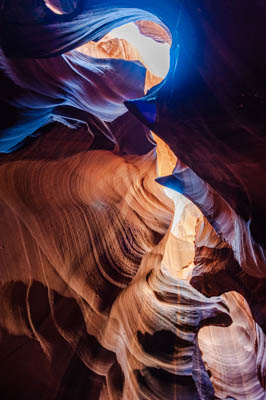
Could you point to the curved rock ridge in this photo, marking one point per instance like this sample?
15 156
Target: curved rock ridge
62 7
116 287
38 95
109 47
65 291
154 31
75 234
154 334
233 355
228 225
90 20
214 98
224 256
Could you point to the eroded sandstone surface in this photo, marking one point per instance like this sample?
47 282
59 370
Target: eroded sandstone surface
132 237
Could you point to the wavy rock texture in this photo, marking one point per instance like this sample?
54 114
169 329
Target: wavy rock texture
67 253
154 31
61 7
67 292
109 47
233 355
89 91
221 251
114 286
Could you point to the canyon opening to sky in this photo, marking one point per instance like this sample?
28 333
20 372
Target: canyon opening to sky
155 55
132 200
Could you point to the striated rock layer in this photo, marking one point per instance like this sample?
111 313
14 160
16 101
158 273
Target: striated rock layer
82 279
130 269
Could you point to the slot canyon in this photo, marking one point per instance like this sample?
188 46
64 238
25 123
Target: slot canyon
132 200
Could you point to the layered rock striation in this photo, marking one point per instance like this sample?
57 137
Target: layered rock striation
132 266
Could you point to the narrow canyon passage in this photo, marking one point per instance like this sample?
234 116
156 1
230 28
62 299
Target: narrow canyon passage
132 243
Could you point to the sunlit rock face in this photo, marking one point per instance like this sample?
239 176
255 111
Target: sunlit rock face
132 263
155 31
